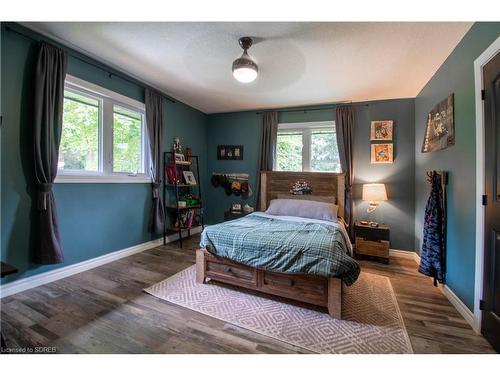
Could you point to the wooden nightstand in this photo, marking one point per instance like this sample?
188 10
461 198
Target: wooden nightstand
372 241
231 215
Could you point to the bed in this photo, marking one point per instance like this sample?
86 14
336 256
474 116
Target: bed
301 258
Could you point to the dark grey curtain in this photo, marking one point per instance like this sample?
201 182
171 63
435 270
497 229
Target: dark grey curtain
154 119
344 124
50 73
267 149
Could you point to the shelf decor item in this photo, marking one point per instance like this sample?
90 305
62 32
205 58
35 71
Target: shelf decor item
189 177
173 175
189 153
179 157
382 153
177 148
440 131
190 199
381 130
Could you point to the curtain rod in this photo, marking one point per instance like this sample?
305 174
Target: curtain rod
328 108
111 74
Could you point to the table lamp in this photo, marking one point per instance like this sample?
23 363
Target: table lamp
374 193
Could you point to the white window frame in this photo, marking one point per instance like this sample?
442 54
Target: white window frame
108 100
307 129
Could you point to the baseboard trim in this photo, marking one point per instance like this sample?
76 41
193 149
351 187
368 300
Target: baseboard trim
448 293
459 305
405 253
21 285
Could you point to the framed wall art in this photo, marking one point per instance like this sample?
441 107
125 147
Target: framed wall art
228 152
381 130
382 153
440 130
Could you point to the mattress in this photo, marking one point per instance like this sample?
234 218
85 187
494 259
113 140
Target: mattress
285 244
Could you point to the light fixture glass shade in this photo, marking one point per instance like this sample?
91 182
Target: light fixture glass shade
374 192
244 74
245 70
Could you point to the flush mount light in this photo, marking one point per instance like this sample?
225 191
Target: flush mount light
245 70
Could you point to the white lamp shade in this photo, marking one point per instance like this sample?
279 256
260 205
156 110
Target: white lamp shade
245 74
374 192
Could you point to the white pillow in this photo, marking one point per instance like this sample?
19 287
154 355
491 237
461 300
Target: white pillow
303 208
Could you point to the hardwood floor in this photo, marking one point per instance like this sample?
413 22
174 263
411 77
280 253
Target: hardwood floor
104 310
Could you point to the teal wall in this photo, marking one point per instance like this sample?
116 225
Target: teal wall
95 219
244 128
456 75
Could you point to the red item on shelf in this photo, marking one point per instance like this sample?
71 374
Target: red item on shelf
170 174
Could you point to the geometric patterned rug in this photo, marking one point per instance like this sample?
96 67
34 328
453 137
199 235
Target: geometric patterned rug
371 321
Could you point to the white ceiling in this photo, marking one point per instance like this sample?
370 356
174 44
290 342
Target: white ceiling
300 63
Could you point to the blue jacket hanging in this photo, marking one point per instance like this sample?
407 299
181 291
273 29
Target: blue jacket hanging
432 257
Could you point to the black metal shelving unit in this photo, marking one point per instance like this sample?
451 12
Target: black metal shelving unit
176 190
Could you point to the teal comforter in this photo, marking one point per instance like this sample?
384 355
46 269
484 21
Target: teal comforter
281 245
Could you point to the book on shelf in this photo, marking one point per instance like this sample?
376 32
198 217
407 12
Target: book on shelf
186 219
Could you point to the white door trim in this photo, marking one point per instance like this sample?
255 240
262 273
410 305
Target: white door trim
482 60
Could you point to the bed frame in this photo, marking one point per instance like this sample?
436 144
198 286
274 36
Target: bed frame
315 290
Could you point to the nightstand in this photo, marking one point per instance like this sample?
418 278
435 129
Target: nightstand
372 241
231 215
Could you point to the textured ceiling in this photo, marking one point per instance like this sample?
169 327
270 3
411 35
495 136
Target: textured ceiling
299 63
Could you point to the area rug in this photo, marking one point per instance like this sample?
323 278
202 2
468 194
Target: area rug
371 321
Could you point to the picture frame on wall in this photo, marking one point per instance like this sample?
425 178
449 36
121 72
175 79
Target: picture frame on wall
382 153
440 129
230 152
381 130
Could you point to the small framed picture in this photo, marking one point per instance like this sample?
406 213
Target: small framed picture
236 207
382 153
229 152
189 178
179 157
381 130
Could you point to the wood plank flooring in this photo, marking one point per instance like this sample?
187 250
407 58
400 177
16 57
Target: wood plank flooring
104 310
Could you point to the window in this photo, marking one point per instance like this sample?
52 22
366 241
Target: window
307 147
103 136
79 148
127 141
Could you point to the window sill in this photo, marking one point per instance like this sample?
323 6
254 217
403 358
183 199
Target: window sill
68 179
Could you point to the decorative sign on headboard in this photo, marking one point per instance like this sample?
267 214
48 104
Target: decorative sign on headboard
300 187
274 183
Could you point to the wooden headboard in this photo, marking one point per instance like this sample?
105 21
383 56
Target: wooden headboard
274 183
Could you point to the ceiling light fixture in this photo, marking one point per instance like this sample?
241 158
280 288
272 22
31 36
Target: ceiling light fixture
245 70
